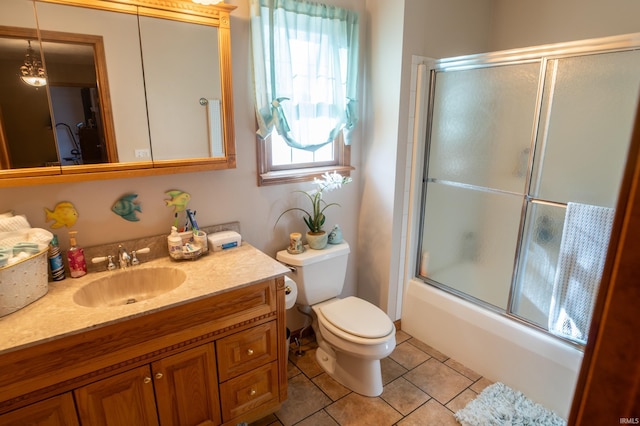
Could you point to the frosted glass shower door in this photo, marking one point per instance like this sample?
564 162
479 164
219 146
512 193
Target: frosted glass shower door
585 128
589 106
478 158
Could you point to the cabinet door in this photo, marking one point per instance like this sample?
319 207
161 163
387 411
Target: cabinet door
124 399
187 388
56 411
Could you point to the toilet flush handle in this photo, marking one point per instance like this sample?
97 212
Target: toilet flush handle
291 268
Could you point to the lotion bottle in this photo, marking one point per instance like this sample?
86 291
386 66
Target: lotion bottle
55 260
174 243
75 256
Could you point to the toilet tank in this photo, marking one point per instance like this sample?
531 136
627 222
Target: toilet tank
319 274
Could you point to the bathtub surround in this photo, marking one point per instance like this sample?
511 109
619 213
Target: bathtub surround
499 404
541 366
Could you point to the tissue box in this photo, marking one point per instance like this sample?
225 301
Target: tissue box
23 282
224 240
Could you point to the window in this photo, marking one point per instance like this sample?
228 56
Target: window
305 58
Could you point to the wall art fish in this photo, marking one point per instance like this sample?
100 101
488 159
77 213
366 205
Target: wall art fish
63 214
179 200
126 207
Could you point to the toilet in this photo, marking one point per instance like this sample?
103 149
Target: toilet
353 335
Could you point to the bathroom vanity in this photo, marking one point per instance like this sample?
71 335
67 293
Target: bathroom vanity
210 351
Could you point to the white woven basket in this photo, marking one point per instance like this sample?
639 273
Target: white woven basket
23 282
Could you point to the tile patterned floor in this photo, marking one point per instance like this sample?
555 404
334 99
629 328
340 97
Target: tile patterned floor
421 387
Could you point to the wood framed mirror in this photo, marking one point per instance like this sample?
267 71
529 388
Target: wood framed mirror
121 127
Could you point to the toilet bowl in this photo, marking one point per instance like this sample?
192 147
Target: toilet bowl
353 335
351 342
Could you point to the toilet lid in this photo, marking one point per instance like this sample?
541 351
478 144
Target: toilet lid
358 317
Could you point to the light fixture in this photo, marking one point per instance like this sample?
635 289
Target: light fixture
207 2
32 72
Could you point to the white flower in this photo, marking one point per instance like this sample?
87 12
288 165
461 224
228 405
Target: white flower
331 181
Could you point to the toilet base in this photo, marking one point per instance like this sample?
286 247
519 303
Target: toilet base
363 376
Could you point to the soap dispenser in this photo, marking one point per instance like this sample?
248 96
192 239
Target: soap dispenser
75 256
174 243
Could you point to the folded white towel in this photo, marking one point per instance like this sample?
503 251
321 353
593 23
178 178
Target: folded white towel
583 249
13 223
36 235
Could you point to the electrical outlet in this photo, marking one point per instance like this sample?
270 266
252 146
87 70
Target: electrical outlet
143 153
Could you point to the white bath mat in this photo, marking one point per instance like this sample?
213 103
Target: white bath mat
499 405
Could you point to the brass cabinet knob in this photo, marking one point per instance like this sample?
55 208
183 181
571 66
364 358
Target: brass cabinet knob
252 392
147 379
159 375
249 351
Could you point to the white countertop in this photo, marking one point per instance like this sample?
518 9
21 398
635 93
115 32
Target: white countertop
56 315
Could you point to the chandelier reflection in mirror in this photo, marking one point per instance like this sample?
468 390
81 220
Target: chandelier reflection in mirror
32 72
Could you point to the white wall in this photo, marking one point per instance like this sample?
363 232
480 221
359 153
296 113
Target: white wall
218 196
437 29
433 28
520 23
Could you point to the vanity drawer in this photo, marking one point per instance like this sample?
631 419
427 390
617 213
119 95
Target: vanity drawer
249 391
244 351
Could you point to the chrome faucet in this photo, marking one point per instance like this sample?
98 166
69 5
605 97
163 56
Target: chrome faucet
123 257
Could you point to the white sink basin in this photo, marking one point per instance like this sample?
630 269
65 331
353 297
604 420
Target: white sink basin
129 286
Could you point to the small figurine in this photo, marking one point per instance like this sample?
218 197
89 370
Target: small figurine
179 200
126 208
335 236
63 214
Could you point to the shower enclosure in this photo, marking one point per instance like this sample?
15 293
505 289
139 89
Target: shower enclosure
518 142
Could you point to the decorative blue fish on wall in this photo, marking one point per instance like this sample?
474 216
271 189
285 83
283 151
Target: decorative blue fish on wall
126 207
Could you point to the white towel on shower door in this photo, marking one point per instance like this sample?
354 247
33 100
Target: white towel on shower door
583 249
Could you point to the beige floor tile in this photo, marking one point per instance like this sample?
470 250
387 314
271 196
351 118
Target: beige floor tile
430 414
462 369
304 399
479 386
408 356
358 410
391 370
321 418
307 363
270 420
438 380
404 396
428 349
292 370
461 401
418 381
329 386
401 336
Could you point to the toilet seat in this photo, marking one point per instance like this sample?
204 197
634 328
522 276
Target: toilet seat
356 317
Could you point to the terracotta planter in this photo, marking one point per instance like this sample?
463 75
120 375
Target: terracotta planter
317 240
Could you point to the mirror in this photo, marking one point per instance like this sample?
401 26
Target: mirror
112 126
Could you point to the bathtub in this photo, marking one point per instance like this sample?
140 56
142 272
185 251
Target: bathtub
499 348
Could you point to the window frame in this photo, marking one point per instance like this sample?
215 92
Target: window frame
270 175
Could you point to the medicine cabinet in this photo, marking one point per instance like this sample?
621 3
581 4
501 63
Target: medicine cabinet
133 88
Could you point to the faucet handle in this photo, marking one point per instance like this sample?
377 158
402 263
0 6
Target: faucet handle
111 266
134 259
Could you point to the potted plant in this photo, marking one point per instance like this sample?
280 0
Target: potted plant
315 218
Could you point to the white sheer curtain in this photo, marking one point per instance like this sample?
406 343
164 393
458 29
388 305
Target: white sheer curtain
305 60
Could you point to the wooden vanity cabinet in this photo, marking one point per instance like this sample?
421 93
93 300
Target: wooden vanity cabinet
178 390
219 360
126 398
56 411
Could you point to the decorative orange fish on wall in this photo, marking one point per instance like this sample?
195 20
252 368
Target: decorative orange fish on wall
63 214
